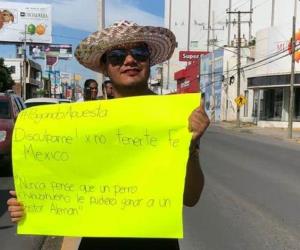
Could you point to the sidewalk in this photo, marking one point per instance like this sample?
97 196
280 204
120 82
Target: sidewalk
278 133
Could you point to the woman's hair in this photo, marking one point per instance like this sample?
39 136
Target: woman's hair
105 83
88 82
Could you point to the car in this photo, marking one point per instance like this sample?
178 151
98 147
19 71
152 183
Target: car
10 106
40 101
64 100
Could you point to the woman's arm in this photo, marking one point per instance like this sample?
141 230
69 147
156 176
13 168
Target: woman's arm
194 180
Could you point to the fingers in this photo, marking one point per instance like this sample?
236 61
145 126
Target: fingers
198 122
13 202
15 220
15 208
13 193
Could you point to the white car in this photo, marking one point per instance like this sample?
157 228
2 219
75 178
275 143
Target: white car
64 100
40 101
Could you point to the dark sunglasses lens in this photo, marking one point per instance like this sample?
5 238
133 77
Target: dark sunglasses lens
116 57
140 54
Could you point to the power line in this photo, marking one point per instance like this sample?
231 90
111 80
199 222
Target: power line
270 58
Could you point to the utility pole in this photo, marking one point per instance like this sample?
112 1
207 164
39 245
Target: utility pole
101 25
170 26
239 61
250 20
213 105
273 12
189 27
229 23
208 24
162 79
291 103
24 63
238 69
226 89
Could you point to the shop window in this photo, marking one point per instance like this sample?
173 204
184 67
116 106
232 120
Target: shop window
194 44
246 94
12 69
297 104
272 104
255 103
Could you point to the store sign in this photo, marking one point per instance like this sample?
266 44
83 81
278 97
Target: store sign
51 60
16 18
296 51
40 51
188 56
65 77
185 84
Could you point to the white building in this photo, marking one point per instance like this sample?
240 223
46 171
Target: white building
177 20
270 77
218 71
33 76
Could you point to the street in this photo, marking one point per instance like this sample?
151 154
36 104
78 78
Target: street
251 195
251 198
8 238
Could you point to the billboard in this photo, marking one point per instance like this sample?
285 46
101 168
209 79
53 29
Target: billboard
51 60
65 77
40 51
16 17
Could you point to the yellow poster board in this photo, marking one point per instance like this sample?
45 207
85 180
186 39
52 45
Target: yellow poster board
112 168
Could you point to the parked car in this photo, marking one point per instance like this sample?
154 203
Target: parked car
40 101
10 106
64 100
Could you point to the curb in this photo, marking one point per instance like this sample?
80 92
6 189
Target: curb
258 131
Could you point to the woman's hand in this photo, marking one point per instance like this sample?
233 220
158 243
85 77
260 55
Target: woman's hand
198 122
15 208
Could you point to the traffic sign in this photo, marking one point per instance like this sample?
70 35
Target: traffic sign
240 100
51 60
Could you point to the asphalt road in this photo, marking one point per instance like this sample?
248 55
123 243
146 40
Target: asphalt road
9 240
251 199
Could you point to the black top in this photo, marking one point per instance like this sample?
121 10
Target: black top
128 244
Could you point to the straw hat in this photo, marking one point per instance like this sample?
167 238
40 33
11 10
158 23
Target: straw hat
161 43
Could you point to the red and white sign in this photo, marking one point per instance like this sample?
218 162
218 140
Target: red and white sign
188 56
51 60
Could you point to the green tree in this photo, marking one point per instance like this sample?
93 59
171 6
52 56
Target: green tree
6 82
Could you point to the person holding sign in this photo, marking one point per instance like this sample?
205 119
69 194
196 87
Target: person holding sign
124 52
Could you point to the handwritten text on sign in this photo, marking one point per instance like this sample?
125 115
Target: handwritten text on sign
106 168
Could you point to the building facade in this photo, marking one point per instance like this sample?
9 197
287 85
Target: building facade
219 84
31 76
270 79
188 26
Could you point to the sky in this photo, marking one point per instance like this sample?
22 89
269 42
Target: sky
71 24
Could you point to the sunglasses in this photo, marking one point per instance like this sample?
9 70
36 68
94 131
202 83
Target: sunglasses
117 56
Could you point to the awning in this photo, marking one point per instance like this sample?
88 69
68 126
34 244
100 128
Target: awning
35 65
